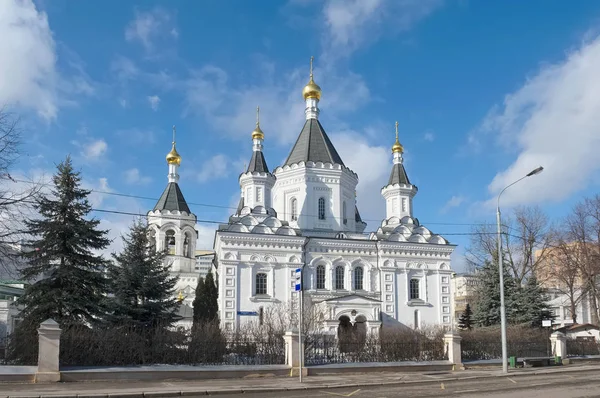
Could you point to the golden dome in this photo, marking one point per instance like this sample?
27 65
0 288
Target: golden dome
312 89
258 134
173 157
397 147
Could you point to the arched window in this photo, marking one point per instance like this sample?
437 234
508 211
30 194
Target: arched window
344 213
320 277
187 247
339 277
358 278
294 209
321 208
414 289
261 284
170 242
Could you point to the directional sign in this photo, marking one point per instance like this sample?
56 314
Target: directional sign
546 323
298 279
251 313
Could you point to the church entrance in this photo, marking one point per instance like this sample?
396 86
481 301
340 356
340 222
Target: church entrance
352 333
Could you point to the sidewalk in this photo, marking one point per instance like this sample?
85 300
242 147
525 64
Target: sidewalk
271 384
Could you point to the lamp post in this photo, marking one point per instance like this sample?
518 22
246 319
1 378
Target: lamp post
501 271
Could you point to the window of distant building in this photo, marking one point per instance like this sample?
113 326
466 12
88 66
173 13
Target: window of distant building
414 289
321 277
321 208
339 277
358 278
261 283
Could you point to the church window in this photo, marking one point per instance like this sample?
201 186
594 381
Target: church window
258 195
403 204
358 278
417 323
414 289
187 247
394 205
339 277
344 213
170 242
320 277
294 209
321 208
261 283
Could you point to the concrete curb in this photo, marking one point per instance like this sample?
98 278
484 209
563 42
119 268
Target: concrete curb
184 393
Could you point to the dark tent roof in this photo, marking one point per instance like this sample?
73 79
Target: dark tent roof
258 163
313 145
398 175
172 199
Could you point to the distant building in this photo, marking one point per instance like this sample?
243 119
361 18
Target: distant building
464 287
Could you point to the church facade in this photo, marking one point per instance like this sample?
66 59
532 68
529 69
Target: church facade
304 214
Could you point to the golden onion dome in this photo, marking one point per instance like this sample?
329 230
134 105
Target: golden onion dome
312 89
258 134
173 157
397 147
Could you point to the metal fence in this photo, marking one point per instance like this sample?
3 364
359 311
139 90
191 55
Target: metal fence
88 351
331 351
473 350
582 347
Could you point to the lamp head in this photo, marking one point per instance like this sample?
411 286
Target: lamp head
535 171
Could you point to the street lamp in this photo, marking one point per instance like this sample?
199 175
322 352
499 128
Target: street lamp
501 271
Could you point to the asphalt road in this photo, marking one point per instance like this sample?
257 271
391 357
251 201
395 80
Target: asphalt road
573 385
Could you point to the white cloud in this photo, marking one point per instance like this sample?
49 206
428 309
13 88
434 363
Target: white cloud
154 101
233 109
206 237
123 102
133 176
214 168
95 149
372 164
27 58
124 68
553 121
354 23
453 202
428 136
147 26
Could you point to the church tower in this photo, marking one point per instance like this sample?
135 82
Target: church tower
399 192
172 228
256 182
314 189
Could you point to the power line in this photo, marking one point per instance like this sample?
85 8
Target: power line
225 207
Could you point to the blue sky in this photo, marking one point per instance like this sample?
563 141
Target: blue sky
484 91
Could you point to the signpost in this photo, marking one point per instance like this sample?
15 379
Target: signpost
547 323
298 287
251 313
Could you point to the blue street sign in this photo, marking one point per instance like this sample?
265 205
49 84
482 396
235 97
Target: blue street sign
254 313
298 279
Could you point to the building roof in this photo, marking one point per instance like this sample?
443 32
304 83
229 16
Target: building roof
398 175
258 163
357 215
313 145
172 199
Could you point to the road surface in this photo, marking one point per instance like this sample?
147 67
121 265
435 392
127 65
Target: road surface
563 385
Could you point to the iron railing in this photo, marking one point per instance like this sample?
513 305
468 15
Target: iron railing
473 350
330 351
582 347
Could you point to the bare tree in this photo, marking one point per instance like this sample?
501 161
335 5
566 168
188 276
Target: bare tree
583 231
525 240
16 197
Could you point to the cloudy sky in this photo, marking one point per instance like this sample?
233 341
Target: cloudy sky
484 91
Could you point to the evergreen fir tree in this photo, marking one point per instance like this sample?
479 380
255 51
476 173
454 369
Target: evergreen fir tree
487 311
141 286
199 300
465 322
532 306
68 275
212 298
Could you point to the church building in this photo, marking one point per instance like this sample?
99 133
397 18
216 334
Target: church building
304 214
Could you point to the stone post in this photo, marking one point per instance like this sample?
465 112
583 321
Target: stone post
452 343
292 342
49 349
558 341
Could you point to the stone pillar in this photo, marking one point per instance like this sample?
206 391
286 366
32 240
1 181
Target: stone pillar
49 350
558 342
292 342
452 344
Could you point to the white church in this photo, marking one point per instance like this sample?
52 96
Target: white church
304 214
